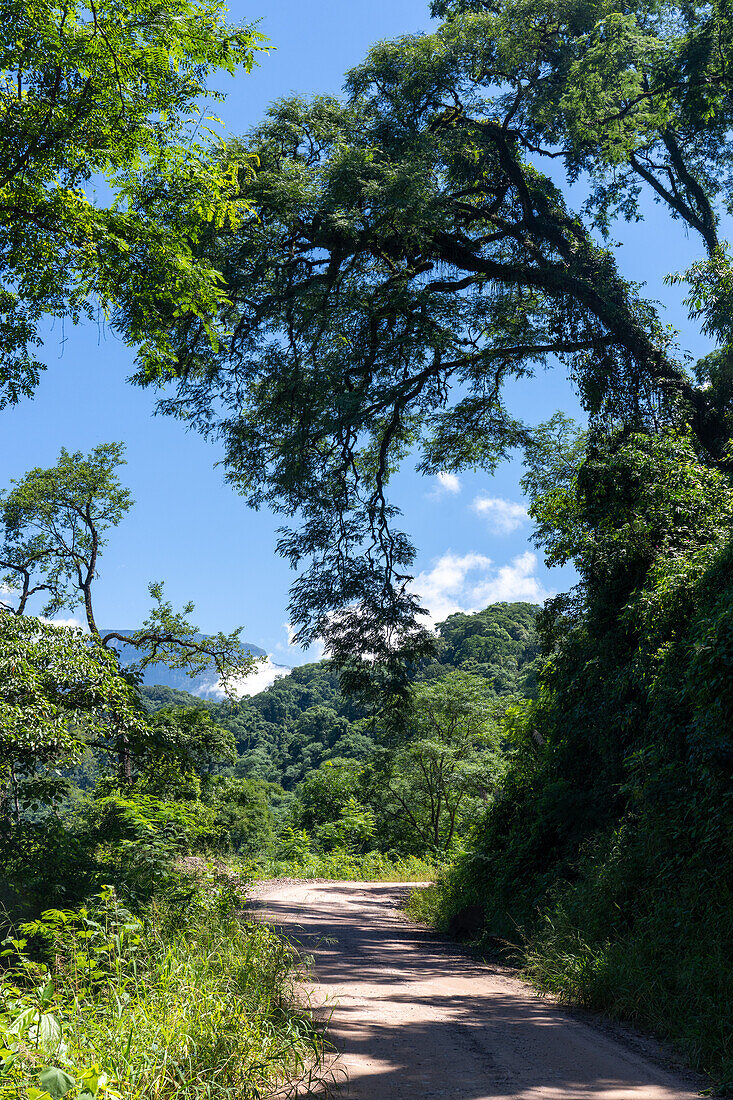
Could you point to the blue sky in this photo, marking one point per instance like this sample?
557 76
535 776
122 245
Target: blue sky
187 527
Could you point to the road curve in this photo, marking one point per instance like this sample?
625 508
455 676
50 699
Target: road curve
415 1018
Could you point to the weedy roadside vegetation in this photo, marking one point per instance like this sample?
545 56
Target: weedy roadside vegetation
639 929
344 865
422 904
191 1001
649 946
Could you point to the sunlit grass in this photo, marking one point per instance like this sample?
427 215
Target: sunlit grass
423 903
192 1004
343 865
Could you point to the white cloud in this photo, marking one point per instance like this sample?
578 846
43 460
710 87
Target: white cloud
447 483
516 581
442 589
289 643
470 582
504 516
266 673
71 622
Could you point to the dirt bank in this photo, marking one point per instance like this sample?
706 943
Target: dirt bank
415 1018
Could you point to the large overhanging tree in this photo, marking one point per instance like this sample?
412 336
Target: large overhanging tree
415 247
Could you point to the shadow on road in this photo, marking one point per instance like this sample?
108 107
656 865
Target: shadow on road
414 1017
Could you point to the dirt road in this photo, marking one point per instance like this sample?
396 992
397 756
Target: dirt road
417 1019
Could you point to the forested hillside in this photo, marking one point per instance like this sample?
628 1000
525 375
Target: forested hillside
299 776
304 718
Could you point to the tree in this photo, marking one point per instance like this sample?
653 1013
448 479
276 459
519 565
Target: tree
329 805
324 792
55 523
57 687
647 525
414 251
448 764
242 809
182 742
105 182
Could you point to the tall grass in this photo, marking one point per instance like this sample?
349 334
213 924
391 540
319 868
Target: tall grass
666 966
343 865
192 1004
423 904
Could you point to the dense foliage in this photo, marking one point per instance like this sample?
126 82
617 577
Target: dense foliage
607 854
105 181
399 256
54 525
98 1003
299 771
53 684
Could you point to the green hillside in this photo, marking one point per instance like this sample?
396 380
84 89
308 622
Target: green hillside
303 719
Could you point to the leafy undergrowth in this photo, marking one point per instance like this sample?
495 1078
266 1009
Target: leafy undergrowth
191 1002
423 904
343 865
661 959
643 932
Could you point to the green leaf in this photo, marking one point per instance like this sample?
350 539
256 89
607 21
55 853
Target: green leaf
56 1081
50 1032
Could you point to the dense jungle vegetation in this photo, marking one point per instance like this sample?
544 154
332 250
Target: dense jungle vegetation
350 286
295 774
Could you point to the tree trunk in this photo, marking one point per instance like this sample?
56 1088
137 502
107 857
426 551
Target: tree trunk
5 785
14 788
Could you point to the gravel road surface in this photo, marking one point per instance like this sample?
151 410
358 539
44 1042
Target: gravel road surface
415 1018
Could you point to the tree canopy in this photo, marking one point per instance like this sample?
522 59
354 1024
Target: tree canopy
54 526
444 773
58 688
54 522
415 247
305 718
105 173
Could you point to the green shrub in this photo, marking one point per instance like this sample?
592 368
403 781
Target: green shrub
133 1009
242 814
